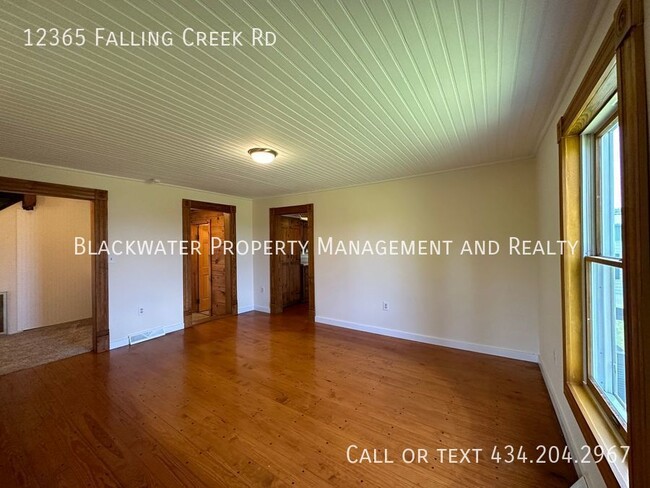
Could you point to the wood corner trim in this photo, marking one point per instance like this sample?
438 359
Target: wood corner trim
29 201
628 15
560 129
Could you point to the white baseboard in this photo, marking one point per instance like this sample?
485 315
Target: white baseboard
124 341
115 343
245 308
466 346
555 401
588 472
173 328
559 413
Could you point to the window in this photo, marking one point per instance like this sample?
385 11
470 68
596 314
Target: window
605 204
603 265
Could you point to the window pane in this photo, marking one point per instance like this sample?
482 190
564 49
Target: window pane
606 335
609 226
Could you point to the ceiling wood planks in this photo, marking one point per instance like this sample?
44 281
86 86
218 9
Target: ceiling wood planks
350 92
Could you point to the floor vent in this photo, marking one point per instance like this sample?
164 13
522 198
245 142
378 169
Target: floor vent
146 335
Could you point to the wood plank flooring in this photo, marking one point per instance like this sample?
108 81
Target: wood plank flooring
259 400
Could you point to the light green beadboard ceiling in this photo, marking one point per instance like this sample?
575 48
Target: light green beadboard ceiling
353 91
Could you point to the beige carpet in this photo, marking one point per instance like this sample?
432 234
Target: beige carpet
44 345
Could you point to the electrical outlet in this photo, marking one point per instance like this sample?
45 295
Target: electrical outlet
261 289
384 306
140 310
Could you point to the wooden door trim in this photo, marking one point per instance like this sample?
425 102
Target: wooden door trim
188 205
99 234
275 275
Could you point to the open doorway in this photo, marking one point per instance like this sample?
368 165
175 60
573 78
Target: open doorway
53 300
292 271
210 276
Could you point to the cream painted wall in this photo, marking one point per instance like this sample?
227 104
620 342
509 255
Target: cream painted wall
137 210
550 304
8 267
54 285
464 301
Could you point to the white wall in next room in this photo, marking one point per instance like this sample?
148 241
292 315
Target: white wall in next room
54 285
8 268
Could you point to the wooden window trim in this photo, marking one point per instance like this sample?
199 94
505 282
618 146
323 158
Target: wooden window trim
99 234
623 43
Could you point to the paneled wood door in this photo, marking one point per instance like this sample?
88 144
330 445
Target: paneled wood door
291 230
204 271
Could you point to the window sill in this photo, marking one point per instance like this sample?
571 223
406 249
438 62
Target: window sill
598 432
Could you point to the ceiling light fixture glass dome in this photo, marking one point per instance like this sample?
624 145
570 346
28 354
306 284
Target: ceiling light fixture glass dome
262 155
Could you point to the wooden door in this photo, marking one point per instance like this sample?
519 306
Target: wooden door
219 267
291 230
204 271
194 259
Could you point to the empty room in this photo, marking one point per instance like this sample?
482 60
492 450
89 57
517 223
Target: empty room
380 243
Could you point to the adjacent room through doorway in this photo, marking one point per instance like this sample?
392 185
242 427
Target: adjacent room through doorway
45 287
210 275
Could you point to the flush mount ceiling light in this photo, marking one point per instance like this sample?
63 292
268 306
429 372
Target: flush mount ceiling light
262 155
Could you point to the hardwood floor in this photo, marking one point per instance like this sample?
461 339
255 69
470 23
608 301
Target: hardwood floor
259 400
